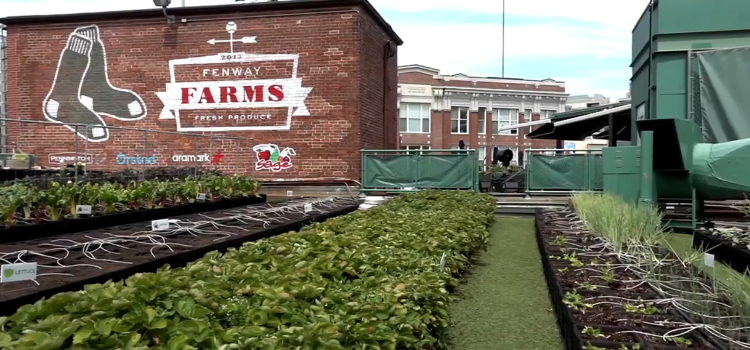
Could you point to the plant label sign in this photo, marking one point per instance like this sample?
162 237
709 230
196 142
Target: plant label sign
83 209
708 260
201 197
160 225
308 207
18 272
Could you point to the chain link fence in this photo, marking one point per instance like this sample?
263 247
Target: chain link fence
128 154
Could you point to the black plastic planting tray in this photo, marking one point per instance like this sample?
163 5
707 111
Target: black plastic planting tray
22 232
736 257
17 294
568 330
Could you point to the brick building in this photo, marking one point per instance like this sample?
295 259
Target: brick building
437 111
309 83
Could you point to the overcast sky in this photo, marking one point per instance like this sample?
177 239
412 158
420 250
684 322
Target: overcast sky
585 43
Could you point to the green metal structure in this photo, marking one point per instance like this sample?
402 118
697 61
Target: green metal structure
394 171
690 113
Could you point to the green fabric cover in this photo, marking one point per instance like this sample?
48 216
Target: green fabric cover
720 99
449 171
578 172
720 171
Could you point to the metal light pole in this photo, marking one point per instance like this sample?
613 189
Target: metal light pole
503 54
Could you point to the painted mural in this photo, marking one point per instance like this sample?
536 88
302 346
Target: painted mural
234 91
81 92
271 157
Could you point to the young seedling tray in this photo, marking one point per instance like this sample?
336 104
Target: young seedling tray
23 232
138 258
736 257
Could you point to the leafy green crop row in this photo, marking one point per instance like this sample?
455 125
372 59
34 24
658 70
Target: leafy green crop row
25 201
367 280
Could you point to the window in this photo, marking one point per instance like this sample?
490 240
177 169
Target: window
415 147
410 147
592 104
415 117
514 149
527 118
482 121
460 120
482 155
504 117
546 114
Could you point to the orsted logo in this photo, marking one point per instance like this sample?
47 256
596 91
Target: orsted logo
194 158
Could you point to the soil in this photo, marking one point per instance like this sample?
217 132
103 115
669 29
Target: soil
608 314
129 257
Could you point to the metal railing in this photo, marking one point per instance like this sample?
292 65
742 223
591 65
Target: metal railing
563 171
129 148
411 170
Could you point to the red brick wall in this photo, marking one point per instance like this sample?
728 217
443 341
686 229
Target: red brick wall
340 58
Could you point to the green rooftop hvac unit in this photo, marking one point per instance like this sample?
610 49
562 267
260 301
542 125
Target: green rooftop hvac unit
690 91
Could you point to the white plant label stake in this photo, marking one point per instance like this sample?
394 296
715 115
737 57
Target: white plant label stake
18 272
83 209
442 262
708 260
160 225
201 197
308 207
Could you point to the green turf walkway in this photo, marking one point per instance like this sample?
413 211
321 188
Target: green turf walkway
505 304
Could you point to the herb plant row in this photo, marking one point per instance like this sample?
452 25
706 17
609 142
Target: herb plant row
24 203
369 280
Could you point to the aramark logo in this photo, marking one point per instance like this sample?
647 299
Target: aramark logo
195 158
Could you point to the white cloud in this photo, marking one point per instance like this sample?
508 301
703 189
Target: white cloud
461 47
50 7
617 13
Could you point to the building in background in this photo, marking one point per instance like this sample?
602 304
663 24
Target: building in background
576 102
294 110
437 111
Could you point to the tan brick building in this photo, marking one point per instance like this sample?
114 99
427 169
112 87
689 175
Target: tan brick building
317 79
437 111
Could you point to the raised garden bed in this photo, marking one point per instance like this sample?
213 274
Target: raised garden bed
115 253
728 246
599 303
378 278
28 231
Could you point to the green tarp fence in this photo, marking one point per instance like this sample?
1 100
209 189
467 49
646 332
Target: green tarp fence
578 172
420 171
720 100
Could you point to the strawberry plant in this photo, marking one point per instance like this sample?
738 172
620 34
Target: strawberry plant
368 280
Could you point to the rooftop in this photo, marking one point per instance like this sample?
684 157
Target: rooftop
255 8
462 76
